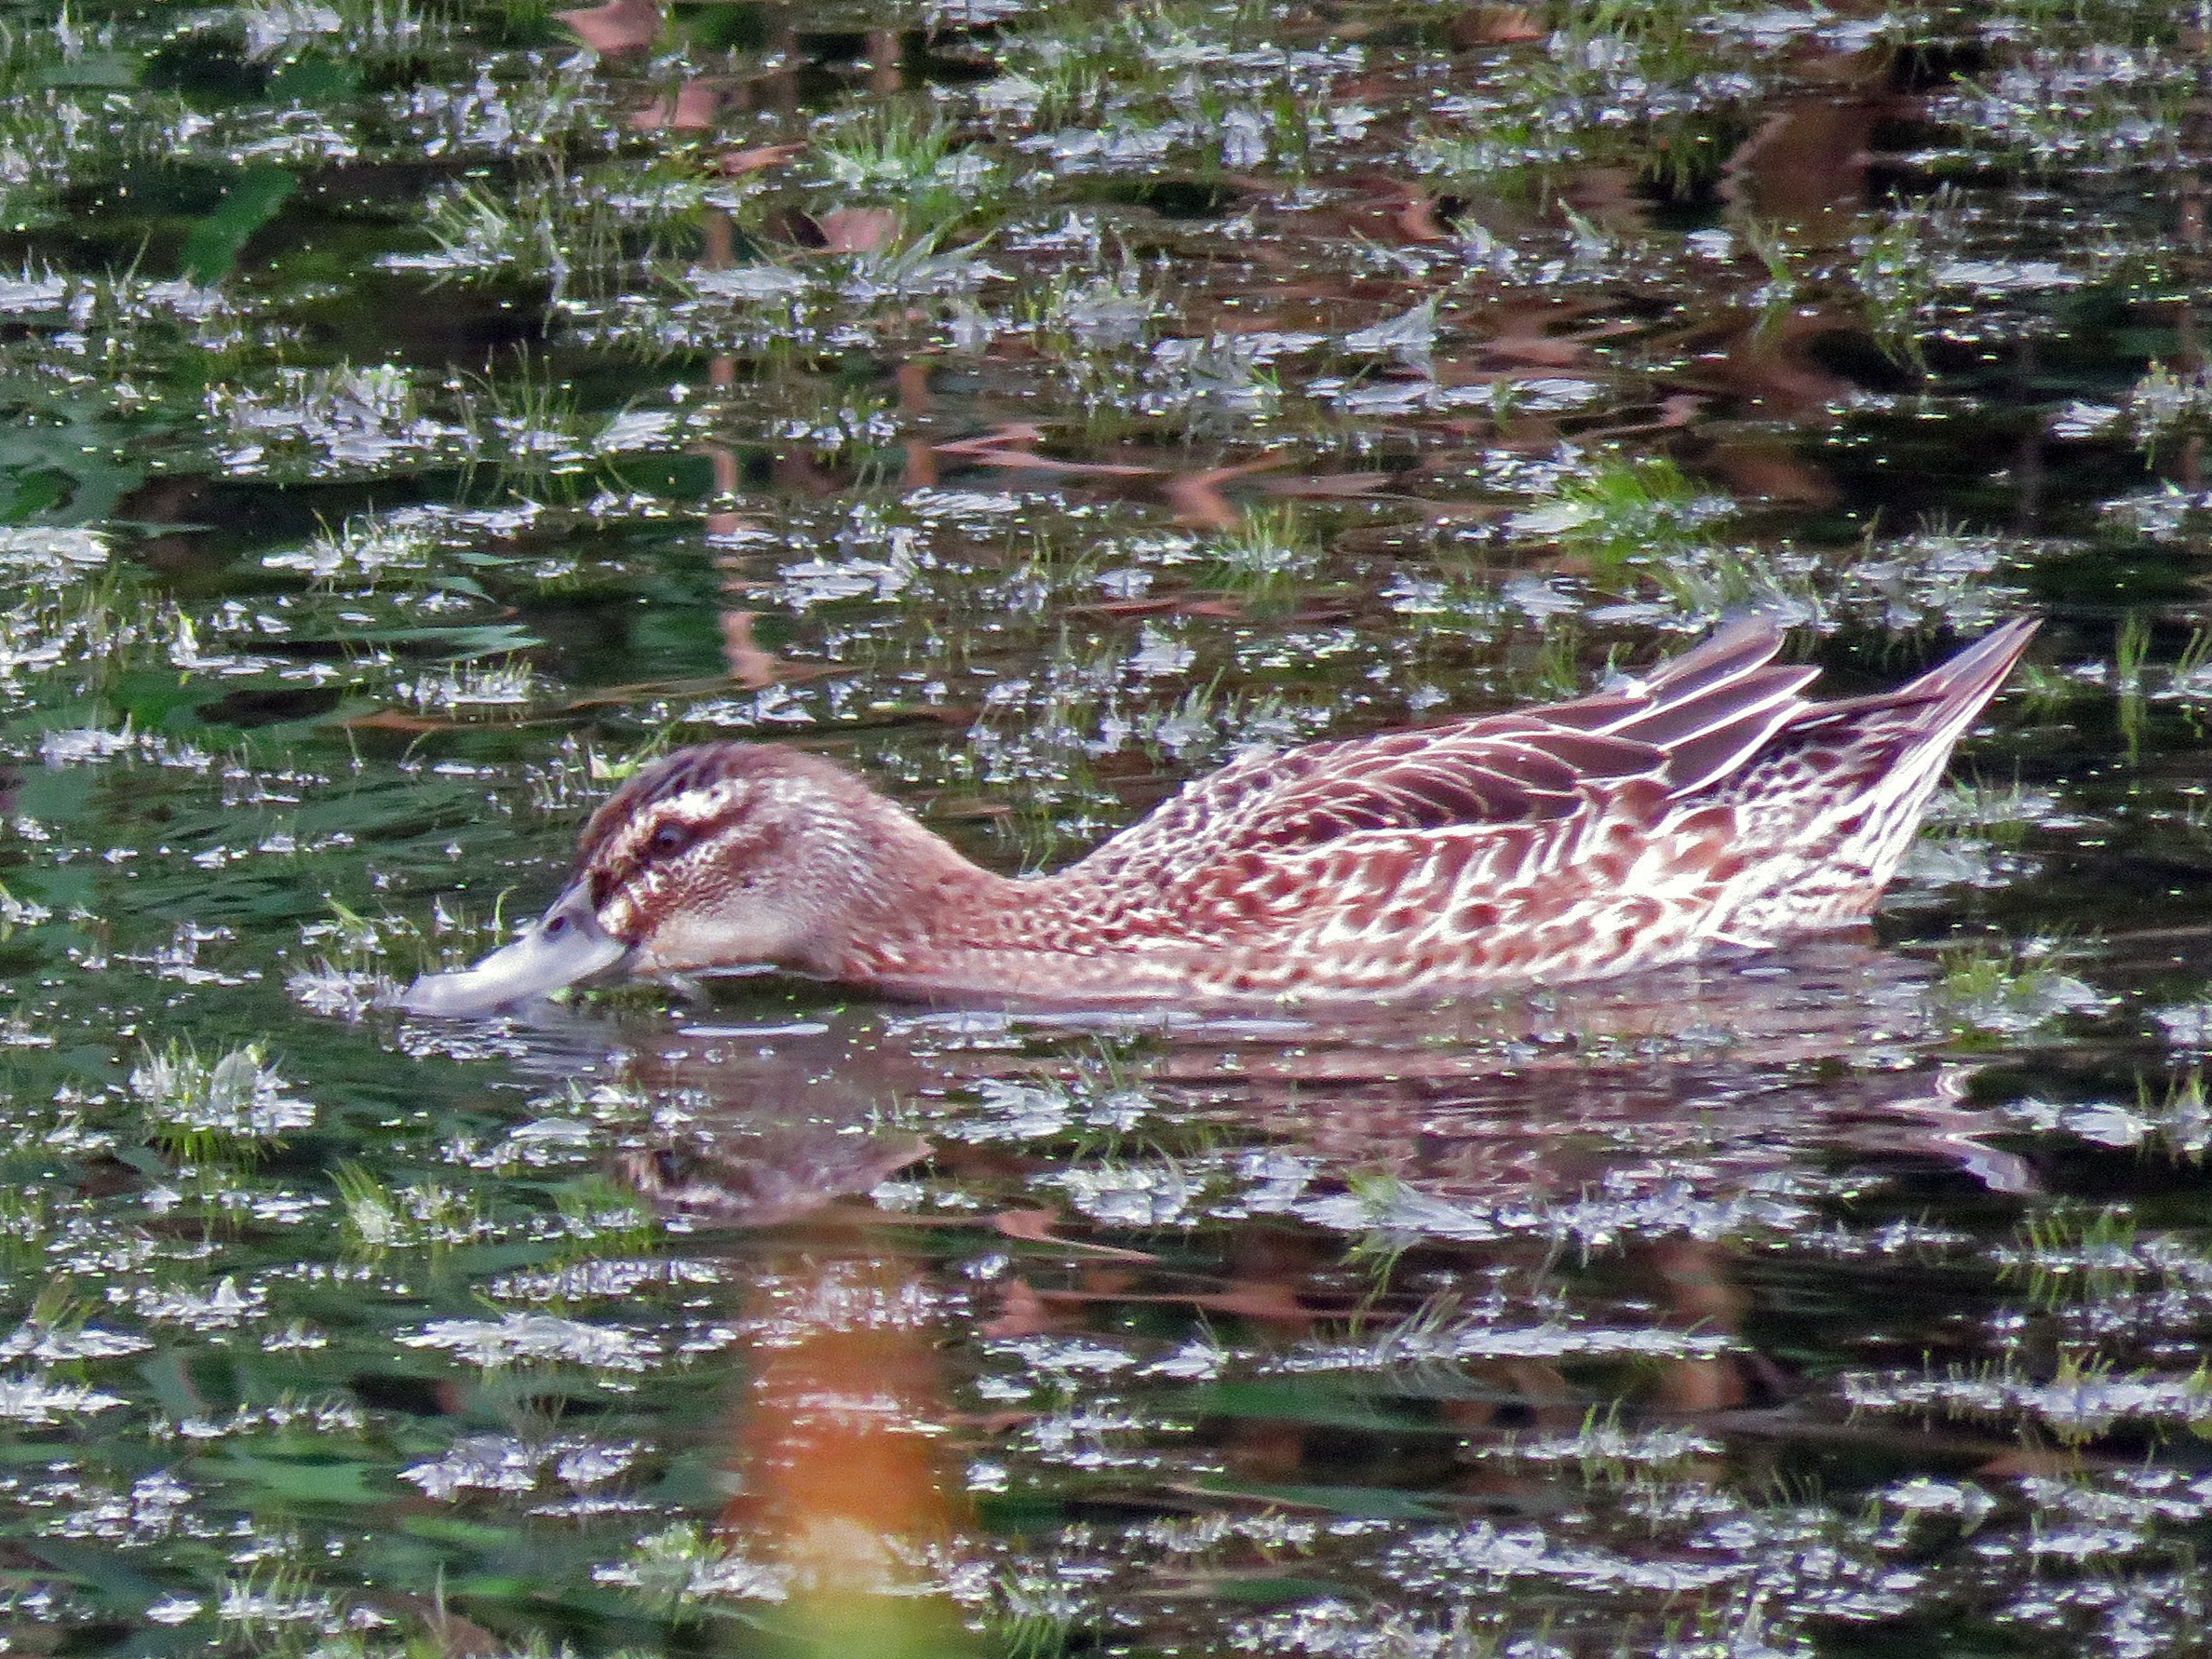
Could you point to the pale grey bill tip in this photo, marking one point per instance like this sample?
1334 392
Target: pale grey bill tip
564 945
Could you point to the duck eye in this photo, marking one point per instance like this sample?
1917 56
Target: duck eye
671 838
555 927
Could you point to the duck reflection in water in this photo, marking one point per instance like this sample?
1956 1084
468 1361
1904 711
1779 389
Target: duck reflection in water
1717 1074
1648 1124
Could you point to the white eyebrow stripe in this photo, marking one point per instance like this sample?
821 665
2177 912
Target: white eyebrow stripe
695 809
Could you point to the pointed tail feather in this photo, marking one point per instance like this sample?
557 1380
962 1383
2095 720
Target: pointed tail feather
1959 686
1947 697
1892 749
1926 718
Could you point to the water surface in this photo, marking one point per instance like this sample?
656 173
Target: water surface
417 416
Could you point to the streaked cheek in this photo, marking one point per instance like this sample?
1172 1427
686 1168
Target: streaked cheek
628 915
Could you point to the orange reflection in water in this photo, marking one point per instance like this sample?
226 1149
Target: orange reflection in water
836 1445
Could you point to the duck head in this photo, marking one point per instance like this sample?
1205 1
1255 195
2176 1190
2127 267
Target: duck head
723 856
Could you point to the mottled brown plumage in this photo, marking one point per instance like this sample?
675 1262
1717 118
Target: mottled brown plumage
1709 807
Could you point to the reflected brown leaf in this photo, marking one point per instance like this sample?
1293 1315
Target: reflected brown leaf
391 720
1806 165
1034 1226
1389 211
1273 1304
618 26
1418 218
1021 1312
1771 469
1523 336
647 691
855 230
1494 25
1774 372
749 666
1331 486
1198 498
1008 435
738 163
1008 446
692 108
1133 607
2029 1464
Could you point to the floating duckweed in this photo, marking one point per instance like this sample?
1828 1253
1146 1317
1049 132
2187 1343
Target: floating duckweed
424 1215
2004 990
201 1109
473 686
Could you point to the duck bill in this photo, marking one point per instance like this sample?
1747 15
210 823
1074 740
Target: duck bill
564 945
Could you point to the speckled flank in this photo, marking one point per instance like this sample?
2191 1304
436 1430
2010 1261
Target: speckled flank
1711 806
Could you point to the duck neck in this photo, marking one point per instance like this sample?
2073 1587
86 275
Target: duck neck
910 896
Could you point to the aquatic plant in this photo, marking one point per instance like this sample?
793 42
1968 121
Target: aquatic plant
1995 990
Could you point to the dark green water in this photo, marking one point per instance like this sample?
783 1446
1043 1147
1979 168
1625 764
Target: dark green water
413 418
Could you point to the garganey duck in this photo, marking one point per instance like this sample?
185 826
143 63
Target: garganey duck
1707 807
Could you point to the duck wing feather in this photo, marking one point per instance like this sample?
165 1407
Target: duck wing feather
1690 724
